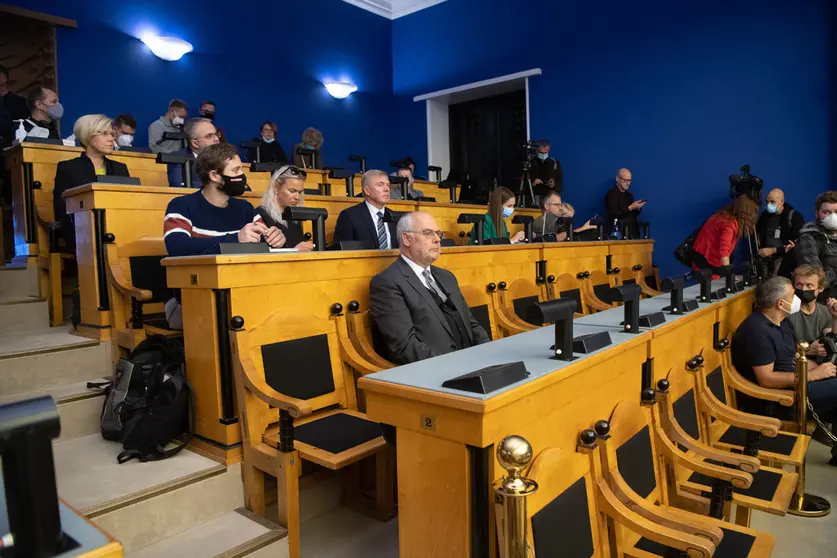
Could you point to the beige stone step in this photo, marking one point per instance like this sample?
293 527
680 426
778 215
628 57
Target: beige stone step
138 503
233 535
80 408
44 358
22 313
17 281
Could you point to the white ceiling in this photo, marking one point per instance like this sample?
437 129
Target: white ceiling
393 9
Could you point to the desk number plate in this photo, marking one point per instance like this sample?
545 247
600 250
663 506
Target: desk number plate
428 422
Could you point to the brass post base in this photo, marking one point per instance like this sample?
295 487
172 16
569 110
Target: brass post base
809 506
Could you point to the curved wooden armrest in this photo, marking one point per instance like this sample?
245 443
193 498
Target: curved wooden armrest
117 276
646 289
355 326
610 505
625 494
348 352
256 383
766 425
506 320
594 301
676 434
737 477
737 381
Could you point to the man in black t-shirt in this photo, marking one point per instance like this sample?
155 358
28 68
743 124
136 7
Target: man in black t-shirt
764 352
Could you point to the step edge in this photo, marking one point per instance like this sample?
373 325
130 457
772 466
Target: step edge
26 300
251 546
47 350
129 499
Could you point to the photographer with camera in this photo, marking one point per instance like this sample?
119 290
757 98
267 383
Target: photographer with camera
813 319
546 173
778 228
817 244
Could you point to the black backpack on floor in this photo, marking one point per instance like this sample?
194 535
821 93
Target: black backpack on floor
150 402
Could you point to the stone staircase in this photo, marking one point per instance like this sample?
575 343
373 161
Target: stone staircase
187 505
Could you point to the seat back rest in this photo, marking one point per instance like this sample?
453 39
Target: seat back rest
147 273
651 280
483 316
524 293
604 292
573 294
300 368
481 304
715 381
522 306
685 413
563 513
630 450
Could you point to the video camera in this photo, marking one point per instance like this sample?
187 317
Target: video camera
745 184
829 341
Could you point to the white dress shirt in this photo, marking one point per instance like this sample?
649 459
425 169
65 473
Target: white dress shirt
417 269
374 212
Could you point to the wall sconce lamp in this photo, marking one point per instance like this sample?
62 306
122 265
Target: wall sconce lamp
167 48
340 90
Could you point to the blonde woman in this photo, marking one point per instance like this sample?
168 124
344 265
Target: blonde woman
95 134
287 189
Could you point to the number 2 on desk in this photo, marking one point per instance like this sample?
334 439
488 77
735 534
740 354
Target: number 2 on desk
428 422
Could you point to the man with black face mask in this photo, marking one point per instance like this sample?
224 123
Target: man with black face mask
198 223
812 319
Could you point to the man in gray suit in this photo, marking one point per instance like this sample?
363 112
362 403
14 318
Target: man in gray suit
418 310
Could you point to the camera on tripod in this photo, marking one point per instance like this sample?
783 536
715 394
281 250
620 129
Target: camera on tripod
530 151
745 184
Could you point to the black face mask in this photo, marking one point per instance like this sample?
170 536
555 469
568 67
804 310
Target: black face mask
208 115
806 296
234 185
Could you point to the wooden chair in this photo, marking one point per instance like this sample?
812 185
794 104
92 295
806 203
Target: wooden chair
297 401
359 330
598 287
481 303
144 283
688 420
637 276
574 513
732 428
512 303
567 286
631 467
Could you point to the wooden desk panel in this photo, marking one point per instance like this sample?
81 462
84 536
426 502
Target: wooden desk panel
627 253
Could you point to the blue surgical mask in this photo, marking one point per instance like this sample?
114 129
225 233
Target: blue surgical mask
772 208
55 111
543 156
271 140
508 212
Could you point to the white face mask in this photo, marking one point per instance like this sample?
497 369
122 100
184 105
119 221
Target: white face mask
125 140
795 305
177 121
830 222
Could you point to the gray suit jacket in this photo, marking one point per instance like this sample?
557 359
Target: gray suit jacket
409 325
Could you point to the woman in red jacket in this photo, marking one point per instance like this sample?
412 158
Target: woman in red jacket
717 239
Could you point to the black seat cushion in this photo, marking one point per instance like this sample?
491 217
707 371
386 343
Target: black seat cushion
300 368
765 483
337 433
562 527
782 444
480 314
636 463
735 544
604 293
522 305
685 413
715 381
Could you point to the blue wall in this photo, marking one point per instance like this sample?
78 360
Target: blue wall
257 60
681 93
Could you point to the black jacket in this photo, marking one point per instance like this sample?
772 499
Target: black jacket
409 325
790 224
268 152
293 231
616 207
546 170
78 172
355 223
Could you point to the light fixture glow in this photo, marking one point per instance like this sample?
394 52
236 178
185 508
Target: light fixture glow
341 89
167 48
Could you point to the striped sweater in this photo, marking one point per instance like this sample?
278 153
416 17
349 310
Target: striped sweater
193 226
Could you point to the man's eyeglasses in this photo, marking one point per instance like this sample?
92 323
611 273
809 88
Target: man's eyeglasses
212 135
293 171
430 233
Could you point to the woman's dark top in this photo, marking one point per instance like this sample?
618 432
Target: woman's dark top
268 152
293 231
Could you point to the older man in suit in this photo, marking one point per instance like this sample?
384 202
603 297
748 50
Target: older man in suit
418 310
369 222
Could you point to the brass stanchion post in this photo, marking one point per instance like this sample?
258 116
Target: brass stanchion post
802 504
514 454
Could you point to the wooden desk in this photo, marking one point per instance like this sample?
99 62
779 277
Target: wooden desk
215 288
446 439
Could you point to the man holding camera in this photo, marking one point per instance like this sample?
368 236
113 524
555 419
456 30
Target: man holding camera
546 173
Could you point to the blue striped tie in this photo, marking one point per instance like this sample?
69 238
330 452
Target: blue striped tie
382 232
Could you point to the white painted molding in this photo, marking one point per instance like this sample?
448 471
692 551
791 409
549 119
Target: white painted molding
395 8
479 84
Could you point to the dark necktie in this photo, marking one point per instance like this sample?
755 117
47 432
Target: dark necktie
382 232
